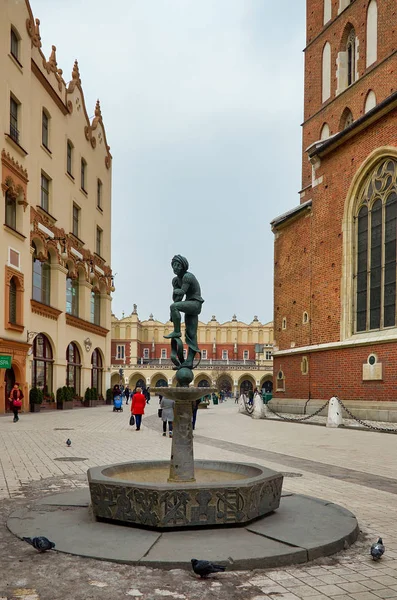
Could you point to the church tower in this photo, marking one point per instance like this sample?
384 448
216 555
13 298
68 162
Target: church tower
335 313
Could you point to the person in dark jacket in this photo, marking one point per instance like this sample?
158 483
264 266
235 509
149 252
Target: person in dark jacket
116 391
127 394
138 403
15 400
195 408
146 393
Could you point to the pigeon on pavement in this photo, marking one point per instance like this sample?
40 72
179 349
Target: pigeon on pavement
377 549
205 567
68 442
41 543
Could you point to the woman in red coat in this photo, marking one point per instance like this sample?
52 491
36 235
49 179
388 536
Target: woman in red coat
138 407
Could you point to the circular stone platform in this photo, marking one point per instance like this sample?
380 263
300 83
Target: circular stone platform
302 529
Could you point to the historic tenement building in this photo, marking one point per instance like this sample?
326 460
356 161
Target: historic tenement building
335 254
56 199
235 356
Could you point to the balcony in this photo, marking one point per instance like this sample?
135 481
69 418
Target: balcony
205 365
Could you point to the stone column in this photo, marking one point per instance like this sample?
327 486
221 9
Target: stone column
182 461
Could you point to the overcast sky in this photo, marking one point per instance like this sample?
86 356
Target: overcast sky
202 102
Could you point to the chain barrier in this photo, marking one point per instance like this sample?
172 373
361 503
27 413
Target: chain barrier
363 423
301 419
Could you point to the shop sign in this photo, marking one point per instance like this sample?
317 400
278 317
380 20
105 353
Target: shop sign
5 361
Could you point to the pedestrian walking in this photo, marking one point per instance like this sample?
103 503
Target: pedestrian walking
15 400
138 403
127 394
147 394
167 414
195 409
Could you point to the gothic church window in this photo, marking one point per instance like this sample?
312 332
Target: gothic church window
347 59
326 72
372 33
376 245
346 119
325 133
327 11
370 101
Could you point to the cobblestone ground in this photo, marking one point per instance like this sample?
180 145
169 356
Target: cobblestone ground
357 469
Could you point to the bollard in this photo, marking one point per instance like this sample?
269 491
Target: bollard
258 412
334 418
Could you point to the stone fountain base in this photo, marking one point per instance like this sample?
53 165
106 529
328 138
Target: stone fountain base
222 494
301 530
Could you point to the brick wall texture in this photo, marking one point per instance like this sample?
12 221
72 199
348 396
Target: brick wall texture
308 250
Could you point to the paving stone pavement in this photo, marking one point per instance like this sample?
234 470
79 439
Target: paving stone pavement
356 469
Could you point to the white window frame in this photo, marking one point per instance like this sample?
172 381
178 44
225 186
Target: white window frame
185 353
120 352
163 353
225 354
268 355
146 353
204 354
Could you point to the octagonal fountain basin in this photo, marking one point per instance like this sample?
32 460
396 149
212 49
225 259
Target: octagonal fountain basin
224 493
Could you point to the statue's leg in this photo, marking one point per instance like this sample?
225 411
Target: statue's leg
176 319
191 323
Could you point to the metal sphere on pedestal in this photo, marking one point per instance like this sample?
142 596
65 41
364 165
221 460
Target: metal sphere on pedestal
184 376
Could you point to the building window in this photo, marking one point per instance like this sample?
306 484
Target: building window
326 72
73 368
163 353
225 354
120 354
204 354
146 353
372 33
98 241
284 323
41 280
327 11
69 158
12 314
72 296
45 126
14 44
97 371
351 57
14 114
246 354
370 101
346 119
324 133
45 193
268 355
95 308
376 242
99 193
11 211
42 363
76 219
305 318
83 182
280 382
185 353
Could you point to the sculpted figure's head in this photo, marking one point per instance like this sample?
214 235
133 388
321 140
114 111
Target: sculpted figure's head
179 265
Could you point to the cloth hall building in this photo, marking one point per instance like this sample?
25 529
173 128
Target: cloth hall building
55 199
335 293
235 356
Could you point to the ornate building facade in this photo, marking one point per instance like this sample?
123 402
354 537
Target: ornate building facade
235 356
335 310
56 201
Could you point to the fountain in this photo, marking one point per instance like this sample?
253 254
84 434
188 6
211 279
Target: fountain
183 492
238 512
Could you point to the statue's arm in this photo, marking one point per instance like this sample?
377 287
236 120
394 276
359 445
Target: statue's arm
177 294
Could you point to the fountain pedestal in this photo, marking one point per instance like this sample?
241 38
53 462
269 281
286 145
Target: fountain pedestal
182 460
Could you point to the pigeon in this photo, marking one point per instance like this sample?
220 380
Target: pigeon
377 549
68 442
205 567
41 543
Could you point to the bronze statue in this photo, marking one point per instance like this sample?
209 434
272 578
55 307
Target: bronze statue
184 284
